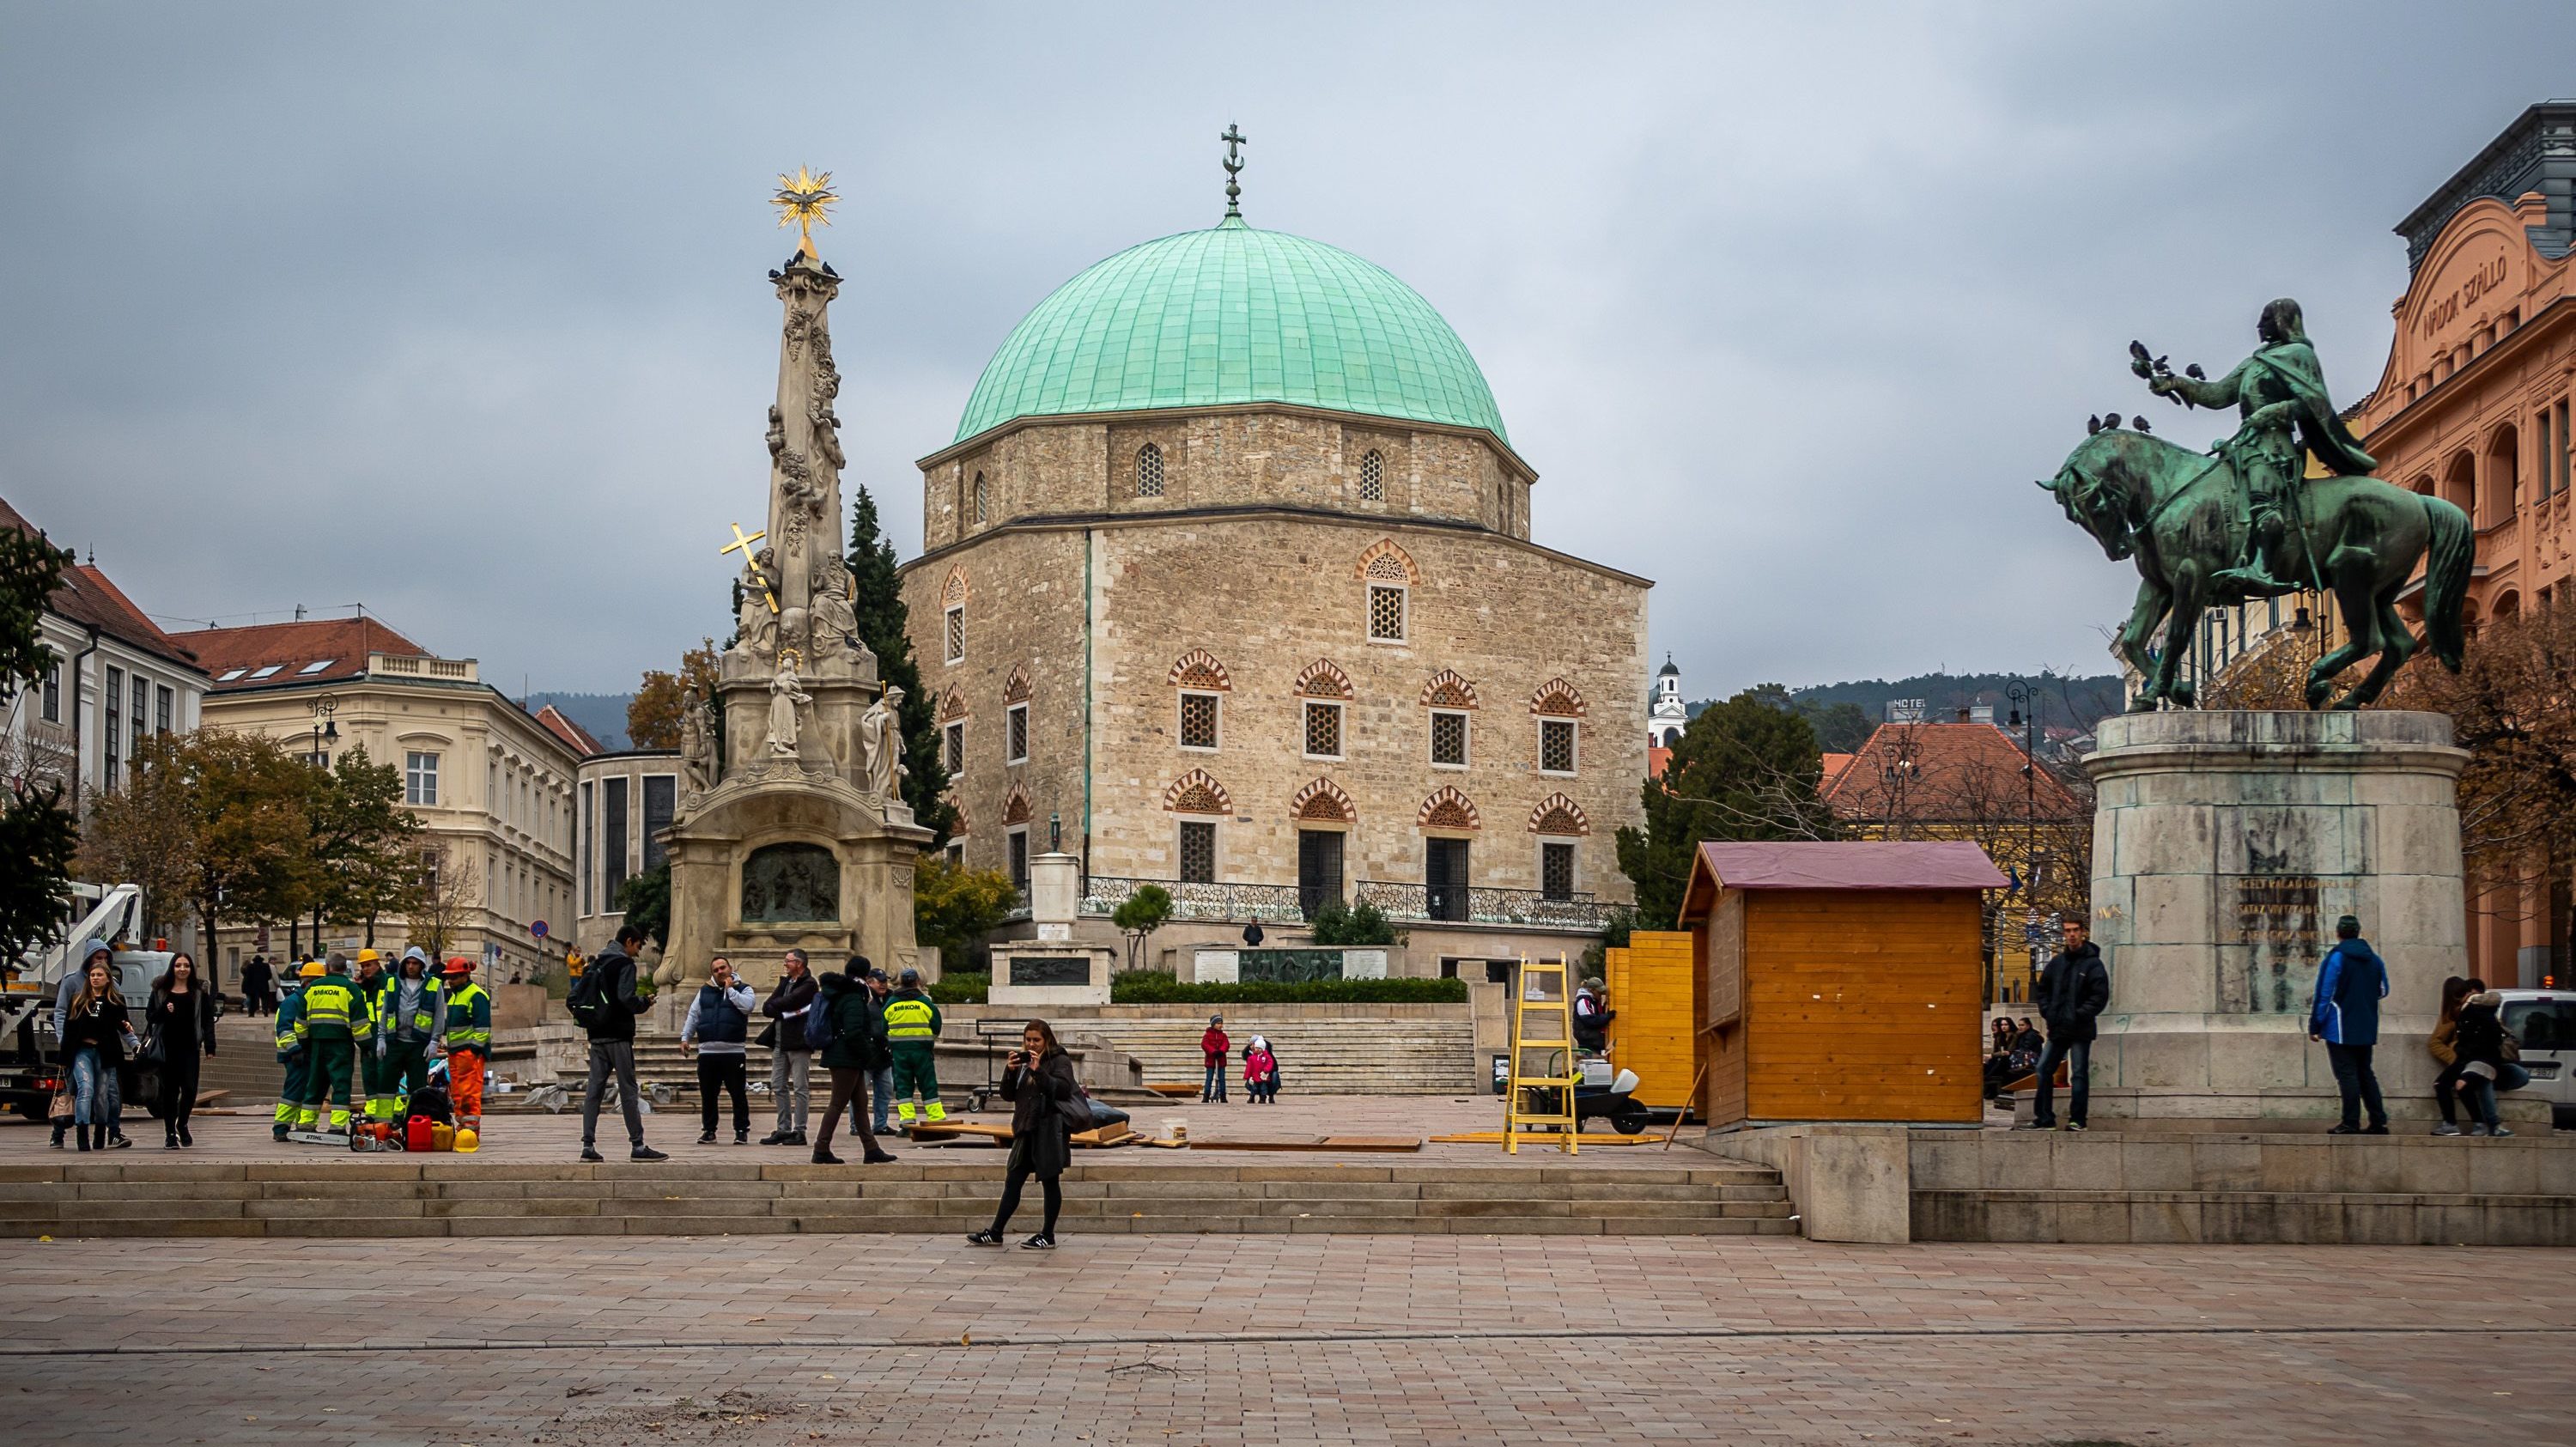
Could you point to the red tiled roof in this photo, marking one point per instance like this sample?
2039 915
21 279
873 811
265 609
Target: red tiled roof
1658 759
340 645
1834 764
581 740
1949 771
87 598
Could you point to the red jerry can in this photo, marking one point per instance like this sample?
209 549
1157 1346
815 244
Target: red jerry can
416 1134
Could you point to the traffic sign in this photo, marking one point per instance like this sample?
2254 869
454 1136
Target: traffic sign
538 929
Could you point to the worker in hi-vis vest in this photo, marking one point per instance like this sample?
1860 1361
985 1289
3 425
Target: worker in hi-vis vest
912 1034
334 1020
291 1052
469 1042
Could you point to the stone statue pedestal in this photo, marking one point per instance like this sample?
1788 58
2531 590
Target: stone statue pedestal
2225 845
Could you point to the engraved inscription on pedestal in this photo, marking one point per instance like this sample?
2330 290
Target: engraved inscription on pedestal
1033 970
791 883
2276 922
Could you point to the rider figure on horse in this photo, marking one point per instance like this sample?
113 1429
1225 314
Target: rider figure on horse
2281 392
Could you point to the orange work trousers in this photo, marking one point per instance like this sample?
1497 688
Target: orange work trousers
465 1086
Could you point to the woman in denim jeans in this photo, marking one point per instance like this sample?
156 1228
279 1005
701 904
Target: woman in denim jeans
93 1041
2478 1041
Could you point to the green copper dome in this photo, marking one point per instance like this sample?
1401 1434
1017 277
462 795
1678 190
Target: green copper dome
1233 314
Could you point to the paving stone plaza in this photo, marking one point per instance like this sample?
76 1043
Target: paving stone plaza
1284 1340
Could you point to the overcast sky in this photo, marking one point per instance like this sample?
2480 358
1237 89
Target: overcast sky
459 312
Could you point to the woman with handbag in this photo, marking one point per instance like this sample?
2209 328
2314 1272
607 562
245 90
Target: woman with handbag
181 1019
94 1037
1038 1081
2439 1045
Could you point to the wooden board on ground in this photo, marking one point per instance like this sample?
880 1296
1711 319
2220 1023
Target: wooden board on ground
1113 1133
1172 1088
1367 1143
1589 1138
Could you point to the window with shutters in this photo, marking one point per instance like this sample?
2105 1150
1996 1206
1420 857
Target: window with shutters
957 633
1323 730
54 693
1386 612
1448 738
1198 851
1149 471
1198 720
954 738
1016 734
1556 746
1373 477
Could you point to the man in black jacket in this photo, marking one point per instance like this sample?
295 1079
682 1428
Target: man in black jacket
612 1042
2072 991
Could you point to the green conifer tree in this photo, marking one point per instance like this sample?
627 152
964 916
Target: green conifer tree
877 599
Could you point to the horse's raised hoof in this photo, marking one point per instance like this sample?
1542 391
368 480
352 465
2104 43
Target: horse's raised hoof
2143 703
2182 696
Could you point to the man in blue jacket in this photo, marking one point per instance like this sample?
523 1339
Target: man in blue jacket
2346 1017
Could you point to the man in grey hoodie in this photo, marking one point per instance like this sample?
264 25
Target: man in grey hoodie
64 994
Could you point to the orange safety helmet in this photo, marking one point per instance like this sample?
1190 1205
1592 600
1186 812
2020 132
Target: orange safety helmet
459 965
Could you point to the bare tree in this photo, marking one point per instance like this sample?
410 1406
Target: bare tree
449 892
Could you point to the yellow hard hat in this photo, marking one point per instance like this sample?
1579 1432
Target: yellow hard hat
312 970
368 957
466 1139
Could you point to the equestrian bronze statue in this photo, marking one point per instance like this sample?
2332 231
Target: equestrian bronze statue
2245 520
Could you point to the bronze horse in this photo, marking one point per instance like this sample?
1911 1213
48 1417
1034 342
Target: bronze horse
2178 511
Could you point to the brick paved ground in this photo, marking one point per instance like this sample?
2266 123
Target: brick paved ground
539 1136
1277 1340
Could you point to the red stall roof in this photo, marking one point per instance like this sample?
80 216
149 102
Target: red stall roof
1869 864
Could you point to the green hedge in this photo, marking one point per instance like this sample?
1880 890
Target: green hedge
961 988
1160 987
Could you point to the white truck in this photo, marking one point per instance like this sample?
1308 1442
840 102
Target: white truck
30 1066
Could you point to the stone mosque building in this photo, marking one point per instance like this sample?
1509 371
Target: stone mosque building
1227 584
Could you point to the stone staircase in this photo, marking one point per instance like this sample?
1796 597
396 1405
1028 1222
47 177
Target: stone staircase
370 1199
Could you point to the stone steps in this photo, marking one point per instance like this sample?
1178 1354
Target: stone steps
2356 1218
457 1198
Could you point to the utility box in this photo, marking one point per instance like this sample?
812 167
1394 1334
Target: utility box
1650 992
1839 982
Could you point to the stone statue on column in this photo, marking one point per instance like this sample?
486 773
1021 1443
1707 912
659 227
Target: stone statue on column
881 745
784 697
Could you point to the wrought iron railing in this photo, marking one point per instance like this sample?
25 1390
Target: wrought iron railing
1402 903
1268 903
1476 904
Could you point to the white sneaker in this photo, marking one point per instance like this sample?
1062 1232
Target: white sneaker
2446 1128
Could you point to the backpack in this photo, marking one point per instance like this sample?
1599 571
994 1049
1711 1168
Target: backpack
429 1103
820 1033
588 1001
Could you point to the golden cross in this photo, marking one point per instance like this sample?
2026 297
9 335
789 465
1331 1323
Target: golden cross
802 199
742 545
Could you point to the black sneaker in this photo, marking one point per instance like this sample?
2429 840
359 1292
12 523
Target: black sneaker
646 1153
2038 1125
2379 1129
706 1138
2075 1125
797 1139
2343 1130
120 1142
986 1237
742 1137
592 1156
1038 1243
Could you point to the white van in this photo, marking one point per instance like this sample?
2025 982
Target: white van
2545 1022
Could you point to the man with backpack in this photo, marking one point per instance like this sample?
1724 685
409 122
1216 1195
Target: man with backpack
605 1004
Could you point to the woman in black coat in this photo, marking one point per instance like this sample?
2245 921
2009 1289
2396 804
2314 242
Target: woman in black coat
181 1015
2478 1042
93 1042
1037 1080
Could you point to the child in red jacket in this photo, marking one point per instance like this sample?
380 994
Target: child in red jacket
1215 1047
1260 1073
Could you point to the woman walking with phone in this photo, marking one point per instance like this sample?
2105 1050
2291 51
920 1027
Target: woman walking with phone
1038 1080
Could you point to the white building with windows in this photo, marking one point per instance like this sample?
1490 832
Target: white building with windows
116 679
492 783
1666 713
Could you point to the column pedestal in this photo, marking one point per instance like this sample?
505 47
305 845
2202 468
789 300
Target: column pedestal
2225 845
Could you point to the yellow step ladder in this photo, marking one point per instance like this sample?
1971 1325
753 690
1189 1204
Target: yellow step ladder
1543 1071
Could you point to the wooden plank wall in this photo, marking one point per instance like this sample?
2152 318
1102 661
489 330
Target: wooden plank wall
1718 946
1863 1005
1650 988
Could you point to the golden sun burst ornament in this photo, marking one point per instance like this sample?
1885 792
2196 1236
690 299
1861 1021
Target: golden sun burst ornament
801 202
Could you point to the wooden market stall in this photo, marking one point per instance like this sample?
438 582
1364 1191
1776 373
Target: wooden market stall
1653 1032
1839 982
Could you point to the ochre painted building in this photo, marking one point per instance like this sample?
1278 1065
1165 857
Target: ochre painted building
1228 581
2473 407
